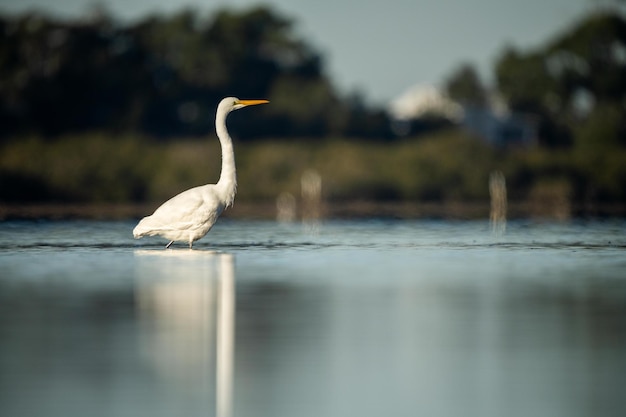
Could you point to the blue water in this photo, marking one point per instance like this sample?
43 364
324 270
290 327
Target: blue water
354 318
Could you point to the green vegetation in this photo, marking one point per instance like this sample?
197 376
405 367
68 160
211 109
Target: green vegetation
444 167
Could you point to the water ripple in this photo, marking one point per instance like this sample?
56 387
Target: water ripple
319 245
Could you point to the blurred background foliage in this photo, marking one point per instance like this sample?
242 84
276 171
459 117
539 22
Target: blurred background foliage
163 76
96 111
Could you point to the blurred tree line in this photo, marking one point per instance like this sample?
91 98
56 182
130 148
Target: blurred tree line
68 88
573 88
574 85
164 75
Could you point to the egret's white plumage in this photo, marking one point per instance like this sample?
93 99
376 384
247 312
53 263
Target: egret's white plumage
191 214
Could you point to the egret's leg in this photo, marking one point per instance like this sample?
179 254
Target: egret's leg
169 244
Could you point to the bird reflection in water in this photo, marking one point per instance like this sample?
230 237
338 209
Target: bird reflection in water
186 303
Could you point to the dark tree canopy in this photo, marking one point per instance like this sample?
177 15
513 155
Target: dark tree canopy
164 75
465 86
570 79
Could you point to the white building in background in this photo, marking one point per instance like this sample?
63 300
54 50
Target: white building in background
494 122
424 101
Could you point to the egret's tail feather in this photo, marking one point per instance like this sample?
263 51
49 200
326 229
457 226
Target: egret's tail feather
141 229
149 226
137 233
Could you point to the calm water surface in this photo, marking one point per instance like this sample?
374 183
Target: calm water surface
360 318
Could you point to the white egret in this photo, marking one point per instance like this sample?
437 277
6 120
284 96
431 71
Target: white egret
190 215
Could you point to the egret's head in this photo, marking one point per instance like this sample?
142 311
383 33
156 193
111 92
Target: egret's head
233 103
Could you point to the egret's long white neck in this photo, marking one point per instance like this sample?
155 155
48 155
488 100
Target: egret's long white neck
228 177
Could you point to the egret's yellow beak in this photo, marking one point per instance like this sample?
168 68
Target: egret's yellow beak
251 102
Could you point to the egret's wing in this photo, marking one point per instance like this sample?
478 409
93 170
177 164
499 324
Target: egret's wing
182 212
